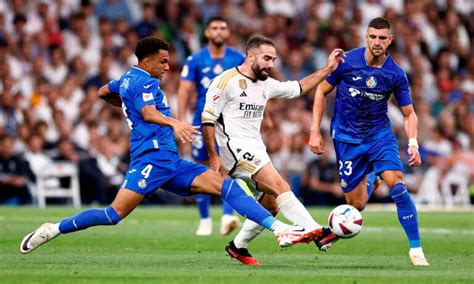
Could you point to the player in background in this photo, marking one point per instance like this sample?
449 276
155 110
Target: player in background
155 161
362 132
198 72
233 114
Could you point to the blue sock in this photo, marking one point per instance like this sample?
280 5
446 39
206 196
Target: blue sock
406 213
89 218
227 209
370 184
245 204
203 202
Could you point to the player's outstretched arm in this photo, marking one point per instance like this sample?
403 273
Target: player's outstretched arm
312 80
183 131
184 89
111 98
316 143
411 123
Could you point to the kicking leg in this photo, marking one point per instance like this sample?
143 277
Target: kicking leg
212 183
124 203
269 181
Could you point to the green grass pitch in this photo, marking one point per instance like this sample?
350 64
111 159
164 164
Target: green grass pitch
158 245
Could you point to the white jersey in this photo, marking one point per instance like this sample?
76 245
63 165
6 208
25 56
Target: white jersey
237 103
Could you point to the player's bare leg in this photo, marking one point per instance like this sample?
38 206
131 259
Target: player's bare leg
358 196
407 214
124 203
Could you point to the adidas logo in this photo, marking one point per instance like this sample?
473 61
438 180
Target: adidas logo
244 94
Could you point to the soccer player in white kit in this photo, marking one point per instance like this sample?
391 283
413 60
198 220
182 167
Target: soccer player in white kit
236 100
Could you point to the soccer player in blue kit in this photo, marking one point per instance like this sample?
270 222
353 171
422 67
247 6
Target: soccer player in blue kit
155 161
199 70
362 132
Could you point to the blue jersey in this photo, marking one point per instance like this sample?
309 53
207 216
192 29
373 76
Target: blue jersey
201 68
138 89
360 111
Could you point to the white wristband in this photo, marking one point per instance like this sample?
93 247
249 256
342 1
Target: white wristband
413 142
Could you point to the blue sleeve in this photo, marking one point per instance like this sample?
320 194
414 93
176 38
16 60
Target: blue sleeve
145 94
189 69
114 86
402 91
336 76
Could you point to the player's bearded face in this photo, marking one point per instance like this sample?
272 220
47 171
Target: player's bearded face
261 73
378 41
264 61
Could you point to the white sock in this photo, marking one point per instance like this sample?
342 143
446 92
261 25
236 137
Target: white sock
249 231
294 211
416 251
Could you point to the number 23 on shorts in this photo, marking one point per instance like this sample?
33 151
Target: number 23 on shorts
345 168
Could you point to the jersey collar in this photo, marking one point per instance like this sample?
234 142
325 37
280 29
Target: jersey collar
136 69
253 80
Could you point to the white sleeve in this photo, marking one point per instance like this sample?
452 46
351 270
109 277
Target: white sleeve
215 103
284 90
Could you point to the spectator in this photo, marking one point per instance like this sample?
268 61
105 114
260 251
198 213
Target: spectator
15 174
56 71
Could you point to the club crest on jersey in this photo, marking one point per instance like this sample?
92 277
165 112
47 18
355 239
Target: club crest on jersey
243 84
142 183
371 82
218 69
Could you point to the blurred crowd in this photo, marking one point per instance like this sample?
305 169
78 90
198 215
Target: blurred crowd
55 54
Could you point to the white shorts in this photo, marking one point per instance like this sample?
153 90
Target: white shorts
243 161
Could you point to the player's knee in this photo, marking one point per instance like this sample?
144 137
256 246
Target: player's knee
395 178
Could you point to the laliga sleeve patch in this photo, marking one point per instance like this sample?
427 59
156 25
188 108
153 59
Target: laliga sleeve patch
147 97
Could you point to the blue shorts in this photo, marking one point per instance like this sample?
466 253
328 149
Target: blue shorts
355 161
161 169
199 149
